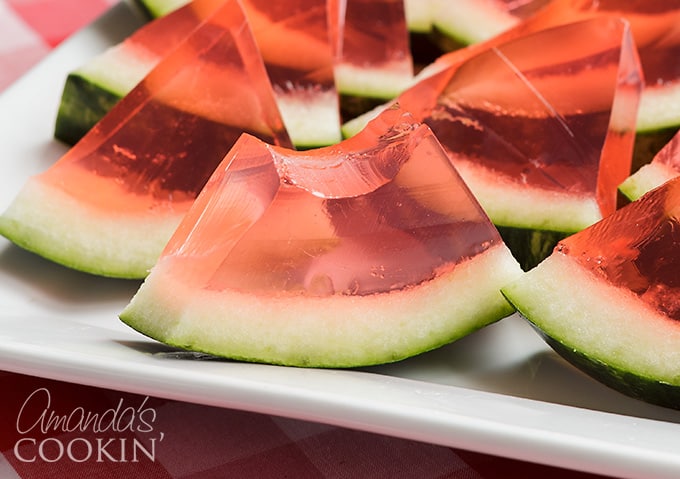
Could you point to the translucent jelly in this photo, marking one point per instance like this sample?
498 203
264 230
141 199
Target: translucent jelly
382 211
161 142
551 113
637 248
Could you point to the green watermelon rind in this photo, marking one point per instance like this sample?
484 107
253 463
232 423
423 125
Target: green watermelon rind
339 331
603 330
634 385
91 90
52 224
158 8
659 108
83 104
646 179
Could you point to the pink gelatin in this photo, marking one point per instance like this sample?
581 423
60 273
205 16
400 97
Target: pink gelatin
158 146
552 111
382 211
637 248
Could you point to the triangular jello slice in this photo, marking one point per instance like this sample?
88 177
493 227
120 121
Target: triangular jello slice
109 205
608 298
541 128
664 166
372 47
295 43
366 252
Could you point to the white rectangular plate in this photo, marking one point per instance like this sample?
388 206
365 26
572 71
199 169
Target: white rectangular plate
500 391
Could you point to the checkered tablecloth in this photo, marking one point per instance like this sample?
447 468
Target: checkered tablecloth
51 429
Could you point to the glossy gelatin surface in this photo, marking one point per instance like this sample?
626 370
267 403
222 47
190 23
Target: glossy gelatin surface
553 111
157 147
382 211
637 248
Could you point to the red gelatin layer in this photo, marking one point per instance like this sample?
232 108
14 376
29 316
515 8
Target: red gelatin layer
637 248
382 211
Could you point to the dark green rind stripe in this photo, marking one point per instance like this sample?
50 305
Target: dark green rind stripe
83 104
631 384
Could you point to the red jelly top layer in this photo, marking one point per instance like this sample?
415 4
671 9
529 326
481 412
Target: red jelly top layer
637 248
162 141
381 211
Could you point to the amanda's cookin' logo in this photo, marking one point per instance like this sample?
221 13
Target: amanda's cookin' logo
124 433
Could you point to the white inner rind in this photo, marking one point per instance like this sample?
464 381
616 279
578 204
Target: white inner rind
604 322
53 224
311 118
119 68
384 82
647 178
470 21
513 204
659 107
332 331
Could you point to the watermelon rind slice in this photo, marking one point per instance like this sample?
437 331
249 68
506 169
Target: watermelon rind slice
646 179
336 331
603 330
87 243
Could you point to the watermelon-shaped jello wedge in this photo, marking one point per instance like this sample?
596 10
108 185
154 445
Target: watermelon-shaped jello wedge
366 252
294 43
608 298
297 50
540 127
110 204
372 49
664 166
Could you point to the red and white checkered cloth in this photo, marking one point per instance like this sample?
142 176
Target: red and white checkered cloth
29 29
45 433
51 429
